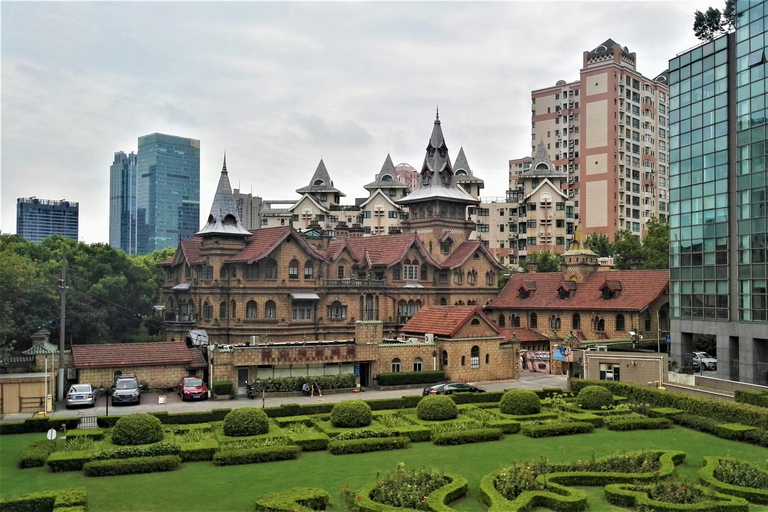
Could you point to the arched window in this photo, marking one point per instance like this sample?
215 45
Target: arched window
270 269
444 360
475 321
170 303
475 357
293 269
424 272
534 323
620 322
554 322
396 365
472 277
234 309
576 321
487 358
463 360
252 271
309 270
250 310
458 277
648 321
443 302
502 321
207 311
600 326
223 310
402 311
270 310
337 311
663 320
417 364
397 272
490 278
514 321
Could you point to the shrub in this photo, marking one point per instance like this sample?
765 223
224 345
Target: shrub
96 434
408 488
758 437
70 498
68 461
732 431
365 433
223 387
663 412
477 435
294 384
188 418
36 454
368 445
137 428
758 398
351 414
128 452
256 455
60 501
639 424
290 500
246 421
699 423
405 378
557 429
520 402
437 408
594 398
204 450
131 466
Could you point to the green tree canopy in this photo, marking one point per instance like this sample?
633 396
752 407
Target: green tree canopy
600 245
546 261
711 23
628 251
656 245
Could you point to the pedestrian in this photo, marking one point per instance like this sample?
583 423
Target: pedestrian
316 388
306 389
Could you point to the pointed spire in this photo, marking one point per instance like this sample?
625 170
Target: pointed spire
461 162
388 169
223 219
541 163
437 113
321 181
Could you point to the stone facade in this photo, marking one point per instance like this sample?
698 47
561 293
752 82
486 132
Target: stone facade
156 377
638 368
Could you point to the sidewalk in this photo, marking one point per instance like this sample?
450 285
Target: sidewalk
150 401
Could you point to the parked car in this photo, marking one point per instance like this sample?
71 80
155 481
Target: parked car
81 394
704 361
126 390
192 388
446 388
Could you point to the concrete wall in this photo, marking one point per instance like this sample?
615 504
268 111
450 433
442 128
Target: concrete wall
157 377
639 368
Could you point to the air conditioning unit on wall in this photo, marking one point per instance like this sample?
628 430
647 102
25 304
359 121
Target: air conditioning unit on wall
72 373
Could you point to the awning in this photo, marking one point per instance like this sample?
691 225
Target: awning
199 337
182 286
305 296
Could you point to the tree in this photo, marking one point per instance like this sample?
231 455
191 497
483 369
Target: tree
600 244
712 23
628 251
656 245
546 261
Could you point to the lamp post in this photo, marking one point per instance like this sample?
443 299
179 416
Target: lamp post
106 398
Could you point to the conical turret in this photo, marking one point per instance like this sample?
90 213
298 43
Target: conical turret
223 219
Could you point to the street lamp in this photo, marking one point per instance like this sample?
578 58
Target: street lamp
106 398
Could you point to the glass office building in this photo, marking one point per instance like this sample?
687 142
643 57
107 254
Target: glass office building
167 192
719 200
122 202
37 219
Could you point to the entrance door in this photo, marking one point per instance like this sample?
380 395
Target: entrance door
365 374
242 377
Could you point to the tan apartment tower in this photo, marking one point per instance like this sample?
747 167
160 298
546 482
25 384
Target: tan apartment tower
609 132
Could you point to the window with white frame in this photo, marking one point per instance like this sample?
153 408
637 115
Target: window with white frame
417 364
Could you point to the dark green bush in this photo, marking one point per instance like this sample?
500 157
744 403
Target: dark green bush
351 414
38 425
366 433
374 444
699 423
256 455
36 454
311 443
663 412
758 437
638 424
70 498
246 421
520 402
188 418
68 461
294 384
96 434
131 466
223 387
478 435
137 428
758 398
732 431
194 452
436 408
594 398
405 378
45 501
290 500
128 452
557 429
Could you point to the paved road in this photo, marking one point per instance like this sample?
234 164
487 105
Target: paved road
150 401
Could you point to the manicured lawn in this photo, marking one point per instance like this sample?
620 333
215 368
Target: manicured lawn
201 486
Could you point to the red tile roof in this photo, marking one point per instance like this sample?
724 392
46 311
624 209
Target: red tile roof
522 334
634 290
464 251
115 355
379 250
444 320
266 240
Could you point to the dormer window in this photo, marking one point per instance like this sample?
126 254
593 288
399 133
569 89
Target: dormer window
607 294
523 293
562 293
610 290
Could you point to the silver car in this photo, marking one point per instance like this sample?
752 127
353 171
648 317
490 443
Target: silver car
81 394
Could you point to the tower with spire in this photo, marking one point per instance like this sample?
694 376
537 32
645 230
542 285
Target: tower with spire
438 207
380 212
319 197
464 176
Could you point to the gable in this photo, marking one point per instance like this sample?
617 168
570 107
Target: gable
307 204
477 326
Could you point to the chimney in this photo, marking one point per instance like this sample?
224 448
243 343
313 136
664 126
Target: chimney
342 231
532 267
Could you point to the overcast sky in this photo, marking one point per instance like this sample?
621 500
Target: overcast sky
280 85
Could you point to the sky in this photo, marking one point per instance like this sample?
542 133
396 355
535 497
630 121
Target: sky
280 85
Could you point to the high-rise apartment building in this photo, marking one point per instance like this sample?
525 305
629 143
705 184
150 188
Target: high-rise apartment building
122 202
248 208
608 132
719 200
167 192
37 219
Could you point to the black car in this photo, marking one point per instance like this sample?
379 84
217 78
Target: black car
126 390
446 388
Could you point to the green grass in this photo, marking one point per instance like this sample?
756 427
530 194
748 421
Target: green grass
200 486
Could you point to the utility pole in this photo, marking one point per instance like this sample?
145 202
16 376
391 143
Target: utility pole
63 290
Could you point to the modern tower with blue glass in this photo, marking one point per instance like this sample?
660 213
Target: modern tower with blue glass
167 191
719 197
122 202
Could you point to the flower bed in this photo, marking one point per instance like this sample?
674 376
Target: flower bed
671 496
291 500
736 478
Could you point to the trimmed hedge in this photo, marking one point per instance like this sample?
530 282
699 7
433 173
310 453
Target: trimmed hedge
758 398
707 476
478 435
638 424
187 418
96 434
256 455
290 500
373 444
477 398
129 452
246 421
60 500
366 433
311 442
36 454
557 429
68 498
758 437
529 417
406 378
416 433
594 398
587 417
437 501
294 384
223 387
519 402
719 410
132 466
692 421
137 428
664 412
732 431
630 495
351 414
194 452
31 425
437 408
68 461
